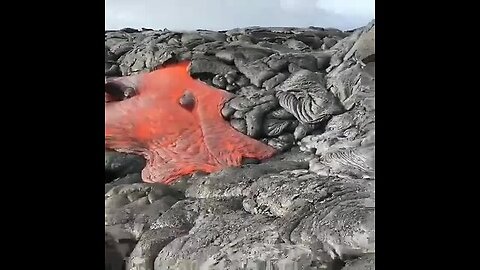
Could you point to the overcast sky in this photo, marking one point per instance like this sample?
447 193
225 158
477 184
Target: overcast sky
227 14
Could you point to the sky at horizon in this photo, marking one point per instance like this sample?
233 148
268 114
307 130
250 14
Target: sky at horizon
227 14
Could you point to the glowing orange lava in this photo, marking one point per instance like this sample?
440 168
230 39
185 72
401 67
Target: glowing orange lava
174 121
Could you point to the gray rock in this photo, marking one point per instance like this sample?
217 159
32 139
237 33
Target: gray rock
308 206
278 63
136 206
131 178
116 35
123 240
267 190
310 39
238 115
241 103
112 41
274 127
112 70
357 162
281 113
323 59
351 84
239 124
366 262
227 111
182 215
120 49
343 220
175 41
240 39
265 34
283 142
226 55
212 35
296 45
109 56
279 48
209 47
242 81
302 60
129 30
257 71
231 77
219 81
149 245
251 241
138 65
304 95
255 94
252 53
254 118
234 183
343 49
192 39
209 65
328 42
274 81
294 68
113 257
231 87
119 164
341 122
303 130
146 58
334 32
365 46
341 80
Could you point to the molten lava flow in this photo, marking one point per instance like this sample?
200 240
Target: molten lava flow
174 121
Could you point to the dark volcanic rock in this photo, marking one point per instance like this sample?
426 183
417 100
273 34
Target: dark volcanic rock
112 70
257 71
242 81
210 66
119 164
281 114
226 55
310 39
296 45
219 81
305 96
283 142
328 43
121 48
312 206
274 127
131 178
274 81
366 262
209 48
347 148
135 207
113 257
239 124
251 53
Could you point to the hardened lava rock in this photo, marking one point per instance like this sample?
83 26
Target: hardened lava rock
305 96
311 206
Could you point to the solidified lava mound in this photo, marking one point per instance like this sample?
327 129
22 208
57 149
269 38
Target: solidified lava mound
309 93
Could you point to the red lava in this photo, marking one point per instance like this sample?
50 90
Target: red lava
174 121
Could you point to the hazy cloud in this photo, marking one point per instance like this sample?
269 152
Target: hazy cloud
362 8
227 14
